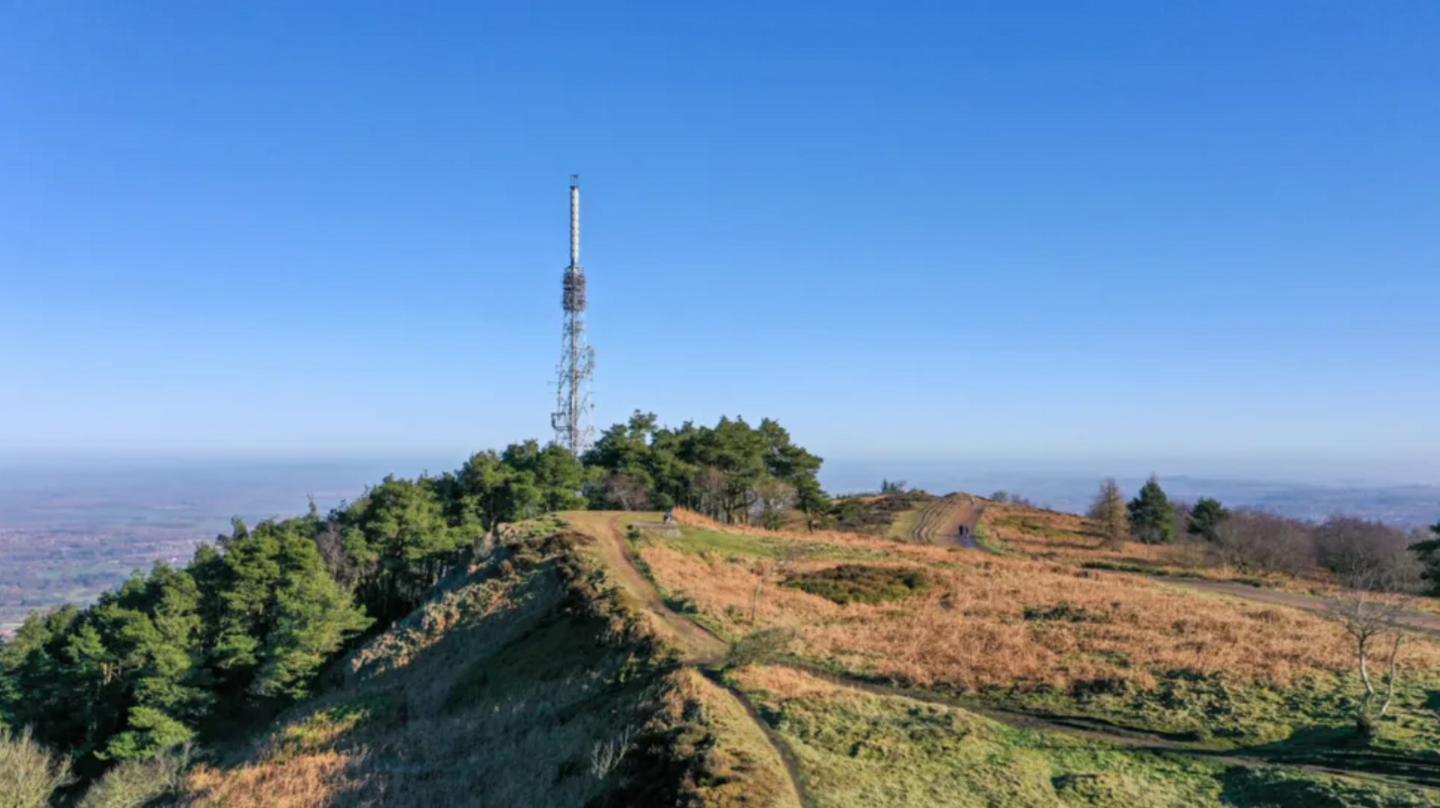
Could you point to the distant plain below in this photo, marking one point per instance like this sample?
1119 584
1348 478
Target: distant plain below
70 530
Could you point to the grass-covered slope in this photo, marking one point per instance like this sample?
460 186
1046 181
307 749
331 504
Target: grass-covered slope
861 749
1253 702
526 681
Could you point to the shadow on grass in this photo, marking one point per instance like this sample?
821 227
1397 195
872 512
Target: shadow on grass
1432 701
1342 747
1253 788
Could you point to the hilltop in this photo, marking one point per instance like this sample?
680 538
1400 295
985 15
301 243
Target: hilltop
741 666
894 649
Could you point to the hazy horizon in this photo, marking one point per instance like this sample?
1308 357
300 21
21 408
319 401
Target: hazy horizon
1314 471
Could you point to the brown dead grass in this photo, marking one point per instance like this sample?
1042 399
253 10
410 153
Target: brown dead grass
971 631
858 541
784 682
1058 536
1073 539
308 781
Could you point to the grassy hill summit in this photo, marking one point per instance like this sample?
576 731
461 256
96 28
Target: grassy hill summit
682 617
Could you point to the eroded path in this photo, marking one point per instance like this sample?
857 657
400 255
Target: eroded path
706 651
950 520
698 646
1423 622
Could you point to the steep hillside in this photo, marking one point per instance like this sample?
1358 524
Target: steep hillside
530 680
591 660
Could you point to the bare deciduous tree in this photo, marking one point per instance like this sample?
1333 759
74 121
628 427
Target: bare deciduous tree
774 499
1255 541
1369 613
771 570
1108 508
1347 545
710 485
627 491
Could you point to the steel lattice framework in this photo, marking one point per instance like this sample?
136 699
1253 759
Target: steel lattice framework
571 419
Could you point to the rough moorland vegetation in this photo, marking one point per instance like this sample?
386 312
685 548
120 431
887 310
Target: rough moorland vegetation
213 650
440 641
525 681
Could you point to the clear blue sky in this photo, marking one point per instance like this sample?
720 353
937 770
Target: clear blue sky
1197 231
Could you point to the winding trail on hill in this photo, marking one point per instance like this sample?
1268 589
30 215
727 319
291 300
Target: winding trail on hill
706 651
949 520
1420 622
1387 769
698 645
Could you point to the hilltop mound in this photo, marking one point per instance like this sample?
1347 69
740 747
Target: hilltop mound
529 680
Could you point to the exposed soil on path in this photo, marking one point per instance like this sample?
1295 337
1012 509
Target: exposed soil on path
1423 622
949 521
698 646
706 651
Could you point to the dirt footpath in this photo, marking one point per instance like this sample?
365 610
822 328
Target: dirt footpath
608 528
698 646
949 521
1423 622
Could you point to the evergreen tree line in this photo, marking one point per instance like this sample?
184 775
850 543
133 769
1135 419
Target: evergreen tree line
179 653
1258 541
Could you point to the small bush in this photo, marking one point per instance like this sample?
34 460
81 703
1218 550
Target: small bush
138 783
857 583
759 646
29 773
1064 612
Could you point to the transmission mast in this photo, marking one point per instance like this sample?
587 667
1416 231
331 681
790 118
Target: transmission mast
571 418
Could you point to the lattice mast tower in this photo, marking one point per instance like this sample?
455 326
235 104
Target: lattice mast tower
571 419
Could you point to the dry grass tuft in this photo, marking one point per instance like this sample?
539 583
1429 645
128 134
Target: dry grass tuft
783 682
309 781
970 630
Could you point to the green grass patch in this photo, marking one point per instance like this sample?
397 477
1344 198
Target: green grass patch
1036 527
861 749
700 540
984 539
745 547
905 523
858 583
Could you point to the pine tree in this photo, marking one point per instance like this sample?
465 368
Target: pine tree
1429 555
1152 517
1205 519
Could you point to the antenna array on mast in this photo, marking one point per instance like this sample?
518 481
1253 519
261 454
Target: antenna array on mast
571 419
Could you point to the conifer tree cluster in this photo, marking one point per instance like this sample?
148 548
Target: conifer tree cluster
243 629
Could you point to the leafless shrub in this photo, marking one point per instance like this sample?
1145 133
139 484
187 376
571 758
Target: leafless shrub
138 783
627 491
1109 509
1349 547
710 484
330 542
29 773
773 499
605 756
1256 541
776 568
1182 519
1369 612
